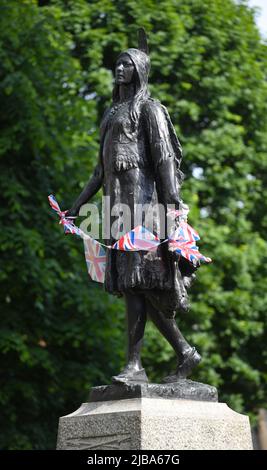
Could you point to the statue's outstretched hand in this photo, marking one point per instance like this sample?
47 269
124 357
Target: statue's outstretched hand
72 213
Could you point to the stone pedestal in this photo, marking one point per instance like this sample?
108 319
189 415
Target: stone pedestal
154 420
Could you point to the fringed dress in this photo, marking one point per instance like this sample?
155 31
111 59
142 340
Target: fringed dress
141 168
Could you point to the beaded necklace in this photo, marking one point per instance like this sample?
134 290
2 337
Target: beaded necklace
118 106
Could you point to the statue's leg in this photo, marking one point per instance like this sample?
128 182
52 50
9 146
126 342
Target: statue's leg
187 355
169 329
136 321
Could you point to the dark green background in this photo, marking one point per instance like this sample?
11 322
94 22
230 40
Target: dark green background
60 334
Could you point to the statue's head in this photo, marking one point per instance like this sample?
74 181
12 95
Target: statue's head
125 70
133 66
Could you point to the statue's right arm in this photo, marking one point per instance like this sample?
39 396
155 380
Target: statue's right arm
92 187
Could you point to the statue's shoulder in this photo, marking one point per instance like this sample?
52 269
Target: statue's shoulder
151 104
153 108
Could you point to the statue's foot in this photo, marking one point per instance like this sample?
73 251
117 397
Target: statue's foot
131 374
191 360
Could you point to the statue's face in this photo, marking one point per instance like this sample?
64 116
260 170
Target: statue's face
124 70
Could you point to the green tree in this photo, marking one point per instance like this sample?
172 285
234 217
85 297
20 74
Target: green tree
57 333
61 335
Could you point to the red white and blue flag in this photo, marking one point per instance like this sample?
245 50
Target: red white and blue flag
185 233
95 257
67 223
136 240
188 251
95 254
182 241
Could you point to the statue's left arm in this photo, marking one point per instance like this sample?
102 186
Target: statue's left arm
164 154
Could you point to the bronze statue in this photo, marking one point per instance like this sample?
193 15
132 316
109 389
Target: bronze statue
139 163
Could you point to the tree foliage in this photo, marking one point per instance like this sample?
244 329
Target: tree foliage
60 334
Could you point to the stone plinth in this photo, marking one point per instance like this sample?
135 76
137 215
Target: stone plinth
152 422
186 389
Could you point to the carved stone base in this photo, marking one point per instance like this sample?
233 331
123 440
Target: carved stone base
153 423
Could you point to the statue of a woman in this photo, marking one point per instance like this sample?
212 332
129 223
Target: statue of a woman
139 162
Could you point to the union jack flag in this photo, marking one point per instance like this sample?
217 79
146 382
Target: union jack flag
67 223
95 254
185 233
137 239
95 257
184 243
188 251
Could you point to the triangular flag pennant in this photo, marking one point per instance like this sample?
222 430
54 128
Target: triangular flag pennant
68 225
137 239
183 241
185 233
95 257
